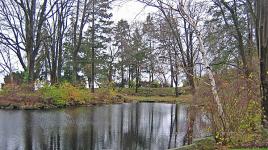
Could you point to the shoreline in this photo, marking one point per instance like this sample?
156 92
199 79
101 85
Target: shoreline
14 102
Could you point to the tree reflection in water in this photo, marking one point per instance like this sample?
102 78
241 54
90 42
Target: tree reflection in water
125 126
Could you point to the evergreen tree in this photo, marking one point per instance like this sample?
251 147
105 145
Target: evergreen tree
122 41
99 31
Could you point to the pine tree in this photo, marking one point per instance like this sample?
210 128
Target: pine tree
99 31
122 40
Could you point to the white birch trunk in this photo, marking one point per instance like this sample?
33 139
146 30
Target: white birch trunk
193 23
210 76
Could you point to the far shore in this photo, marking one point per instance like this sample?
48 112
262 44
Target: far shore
32 101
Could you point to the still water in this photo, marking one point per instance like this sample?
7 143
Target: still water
133 126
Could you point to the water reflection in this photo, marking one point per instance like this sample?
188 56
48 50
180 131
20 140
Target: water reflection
125 126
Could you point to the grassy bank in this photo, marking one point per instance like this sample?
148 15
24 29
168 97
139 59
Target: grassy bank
165 95
165 99
66 95
146 92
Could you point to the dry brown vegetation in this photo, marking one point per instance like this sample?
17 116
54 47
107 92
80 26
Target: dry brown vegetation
241 101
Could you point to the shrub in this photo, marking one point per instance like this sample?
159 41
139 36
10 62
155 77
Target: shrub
7 89
155 84
240 98
105 93
249 127
65 94
132 84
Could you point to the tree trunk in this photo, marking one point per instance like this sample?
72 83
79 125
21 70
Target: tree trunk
176 79
137 78
74 71
93 49
89 82
211 78
122 76
110 74
262 18
176 86
171 68
60 60
53 72
152 77
75 42
31 66
61 30
29 49
129 77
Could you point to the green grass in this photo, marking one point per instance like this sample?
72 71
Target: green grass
151 91
166 99
164 95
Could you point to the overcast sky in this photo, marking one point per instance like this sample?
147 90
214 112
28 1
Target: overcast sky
131 11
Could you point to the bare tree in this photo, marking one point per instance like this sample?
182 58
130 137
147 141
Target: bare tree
6 64
183 40
78 27
23 22
54 32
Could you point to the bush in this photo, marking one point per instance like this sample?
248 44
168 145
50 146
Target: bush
9 89
105 93
155 84
132 84
65 94
240 98
249 127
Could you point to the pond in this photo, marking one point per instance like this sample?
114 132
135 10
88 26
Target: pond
130 126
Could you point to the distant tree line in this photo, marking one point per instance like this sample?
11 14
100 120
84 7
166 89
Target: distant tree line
77 41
